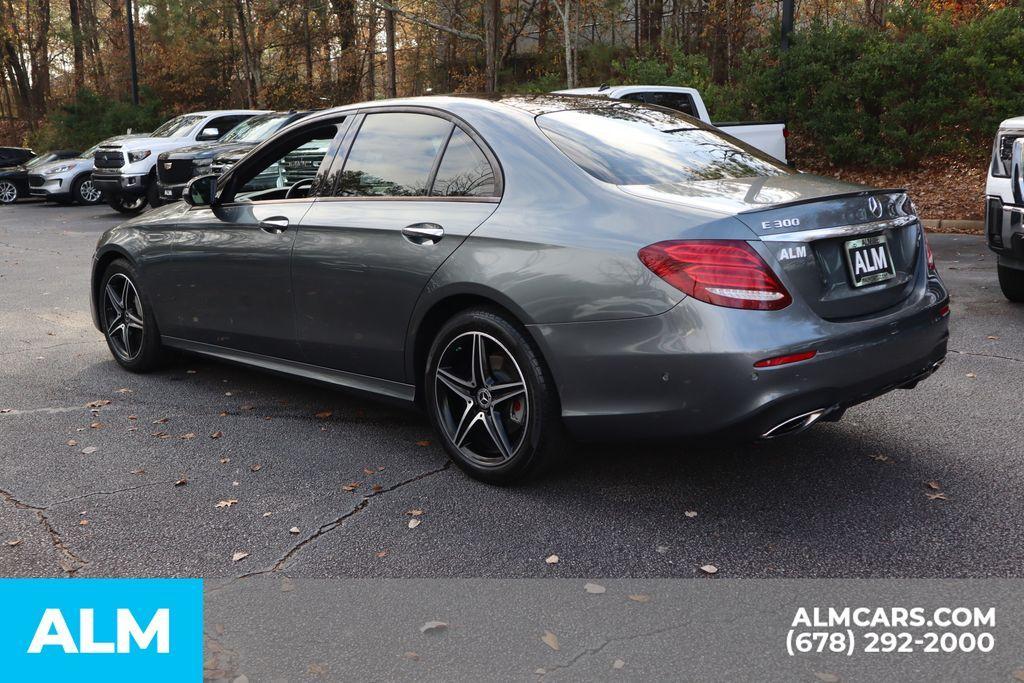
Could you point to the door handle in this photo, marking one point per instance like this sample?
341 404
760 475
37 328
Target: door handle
423 233
275 225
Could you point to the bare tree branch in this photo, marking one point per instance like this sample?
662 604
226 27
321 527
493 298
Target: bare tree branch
427 22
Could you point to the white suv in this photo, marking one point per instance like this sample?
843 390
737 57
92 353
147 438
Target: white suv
125 171
1004 206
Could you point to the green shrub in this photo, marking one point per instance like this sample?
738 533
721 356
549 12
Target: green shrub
90 119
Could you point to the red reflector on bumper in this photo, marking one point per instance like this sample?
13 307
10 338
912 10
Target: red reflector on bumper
944 311
784 360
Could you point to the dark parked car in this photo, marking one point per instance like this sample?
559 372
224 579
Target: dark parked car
524 265
177 167
14 179
14 156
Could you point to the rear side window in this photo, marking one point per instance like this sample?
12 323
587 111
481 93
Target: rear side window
464 170
631 145
393 155
673 100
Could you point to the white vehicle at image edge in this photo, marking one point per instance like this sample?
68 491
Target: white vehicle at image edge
125 169
1004 207
769 137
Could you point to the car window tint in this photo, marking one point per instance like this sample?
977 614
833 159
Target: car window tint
393 155
297 160
628 144
673 100
464 170
225 123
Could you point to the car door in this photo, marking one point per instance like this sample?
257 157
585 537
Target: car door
413 185
230 282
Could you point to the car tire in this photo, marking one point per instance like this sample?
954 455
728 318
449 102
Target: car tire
1011 281
127 319
8 192
127 204
84 192
506 428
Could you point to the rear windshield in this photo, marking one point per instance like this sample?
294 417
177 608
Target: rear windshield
632 145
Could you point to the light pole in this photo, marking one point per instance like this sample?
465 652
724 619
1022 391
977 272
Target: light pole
131 52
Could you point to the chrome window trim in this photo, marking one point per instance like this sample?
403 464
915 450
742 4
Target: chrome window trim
840 230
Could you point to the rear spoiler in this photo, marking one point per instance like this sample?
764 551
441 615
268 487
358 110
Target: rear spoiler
811 200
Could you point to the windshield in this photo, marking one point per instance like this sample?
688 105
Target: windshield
256 128
635 145
88 154
177 126
40 160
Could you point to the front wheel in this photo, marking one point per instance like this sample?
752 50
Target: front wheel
8 192
84 192
127 319
1011 281
126 204
492 399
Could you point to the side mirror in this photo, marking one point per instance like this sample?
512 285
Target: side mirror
1017 171
208 134
201 191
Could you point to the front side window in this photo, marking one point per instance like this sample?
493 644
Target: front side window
393 155
464 170
626 144
288 169
177 126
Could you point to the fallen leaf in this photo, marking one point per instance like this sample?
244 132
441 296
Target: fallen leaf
1019 674
188 436
89 449
97 404
376 488
225 461
255 467
432 626
324 414
639 597
223 413
248 407
937 496
294 530
181 482
413 523
879 457
216 435
239 556
96 425
826 677
971 375
138 471
4 411
83 522
159 435
411 656
72 442
993 337
382 553
133 417
228 393
423 443
594 588
367 470
709 569
316 669
350 487
161 421
267 514
551 559
618 664
13 542
414 513
934 485
690 513
227 503
551 640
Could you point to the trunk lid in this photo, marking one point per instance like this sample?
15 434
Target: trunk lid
848 251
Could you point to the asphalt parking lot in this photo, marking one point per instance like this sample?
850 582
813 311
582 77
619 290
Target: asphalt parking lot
186 470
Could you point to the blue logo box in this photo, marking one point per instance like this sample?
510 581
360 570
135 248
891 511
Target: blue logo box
101 629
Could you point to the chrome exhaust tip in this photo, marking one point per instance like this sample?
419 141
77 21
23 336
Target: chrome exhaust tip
795 425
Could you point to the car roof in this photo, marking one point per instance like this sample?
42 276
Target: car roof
218 112
620 90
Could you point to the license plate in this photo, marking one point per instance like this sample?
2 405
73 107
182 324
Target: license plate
869 260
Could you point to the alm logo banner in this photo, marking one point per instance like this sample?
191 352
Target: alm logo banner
101 629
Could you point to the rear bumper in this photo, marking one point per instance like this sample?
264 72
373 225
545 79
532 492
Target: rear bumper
690 371
114 182
1004 231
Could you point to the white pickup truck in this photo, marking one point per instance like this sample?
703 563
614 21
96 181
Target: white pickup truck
1004 206
767 137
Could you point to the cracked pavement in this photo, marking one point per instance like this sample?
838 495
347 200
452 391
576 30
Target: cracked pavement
819 505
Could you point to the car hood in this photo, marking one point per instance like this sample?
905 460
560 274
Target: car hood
209 149
79 163
135 144
740 195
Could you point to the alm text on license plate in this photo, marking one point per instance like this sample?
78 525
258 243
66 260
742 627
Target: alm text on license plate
869 260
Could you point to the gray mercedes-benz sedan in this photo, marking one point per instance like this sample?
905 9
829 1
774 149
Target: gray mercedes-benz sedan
531 268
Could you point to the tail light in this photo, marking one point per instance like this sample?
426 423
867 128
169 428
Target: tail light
928 253
721 272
